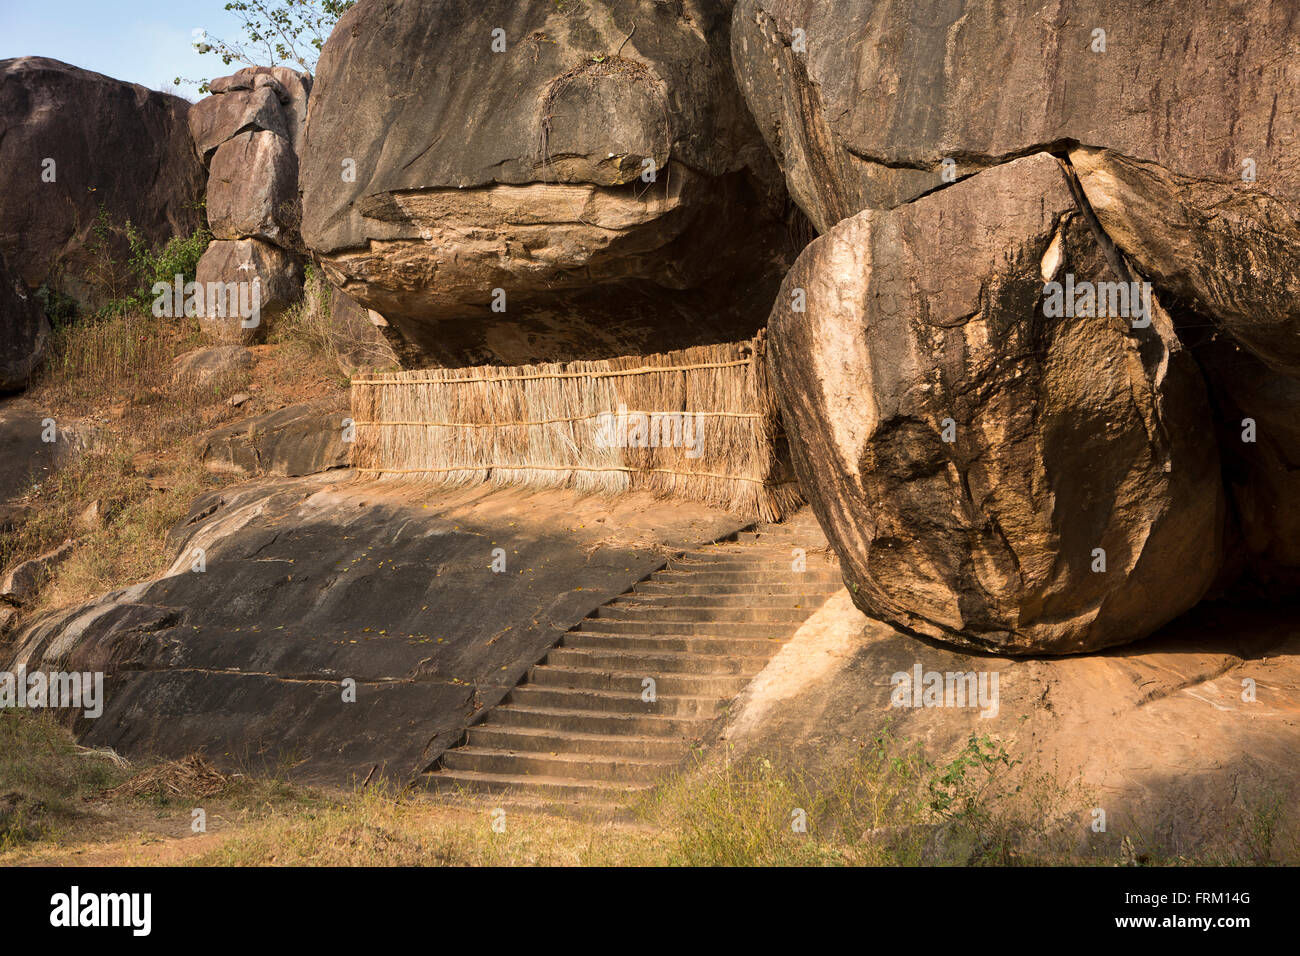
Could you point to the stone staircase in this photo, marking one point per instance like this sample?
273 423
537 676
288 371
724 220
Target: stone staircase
577 732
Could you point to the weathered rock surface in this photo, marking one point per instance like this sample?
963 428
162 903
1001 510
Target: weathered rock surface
311 581
291 89
250 131
1230 250
217 119
238 264
199 367
25 457
22 583
253 189
437 171
359 337
24 331
884 92
1068 434
112 143
1182 132
291 441
1160 734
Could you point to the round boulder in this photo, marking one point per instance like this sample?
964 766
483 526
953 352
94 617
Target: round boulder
996 469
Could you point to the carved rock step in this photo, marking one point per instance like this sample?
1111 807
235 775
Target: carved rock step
578 733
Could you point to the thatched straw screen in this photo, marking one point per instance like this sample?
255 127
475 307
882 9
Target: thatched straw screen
700 423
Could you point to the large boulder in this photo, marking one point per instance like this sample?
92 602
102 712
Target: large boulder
113 145
290 87
863 102
216 119
248 284
993 475
295 440
1230 250
253 189
24 331
438 171
1183 132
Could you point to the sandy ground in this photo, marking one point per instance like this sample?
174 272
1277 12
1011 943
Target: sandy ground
1198 718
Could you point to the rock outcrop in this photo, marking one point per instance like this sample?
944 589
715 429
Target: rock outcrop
281 590
862 103
251 283
1230 250
292 441
254 98
519 154
253 189
218 119
24 331
1228 253
212 365
24 582
250 132
73 142
1181 134
993 474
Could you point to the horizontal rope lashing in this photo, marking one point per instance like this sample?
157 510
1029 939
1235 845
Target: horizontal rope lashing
554 421
612 373
641 471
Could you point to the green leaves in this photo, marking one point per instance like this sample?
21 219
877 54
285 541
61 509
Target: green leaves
277 32
951 794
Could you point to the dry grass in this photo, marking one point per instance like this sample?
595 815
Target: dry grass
56 796
345 338
375 827
540 425
114 356
45 778
109 381
891 804
192 776
307 322
130 544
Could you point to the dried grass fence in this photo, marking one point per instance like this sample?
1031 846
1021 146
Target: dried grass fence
700 423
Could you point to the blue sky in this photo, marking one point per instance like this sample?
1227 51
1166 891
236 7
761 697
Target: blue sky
143 41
